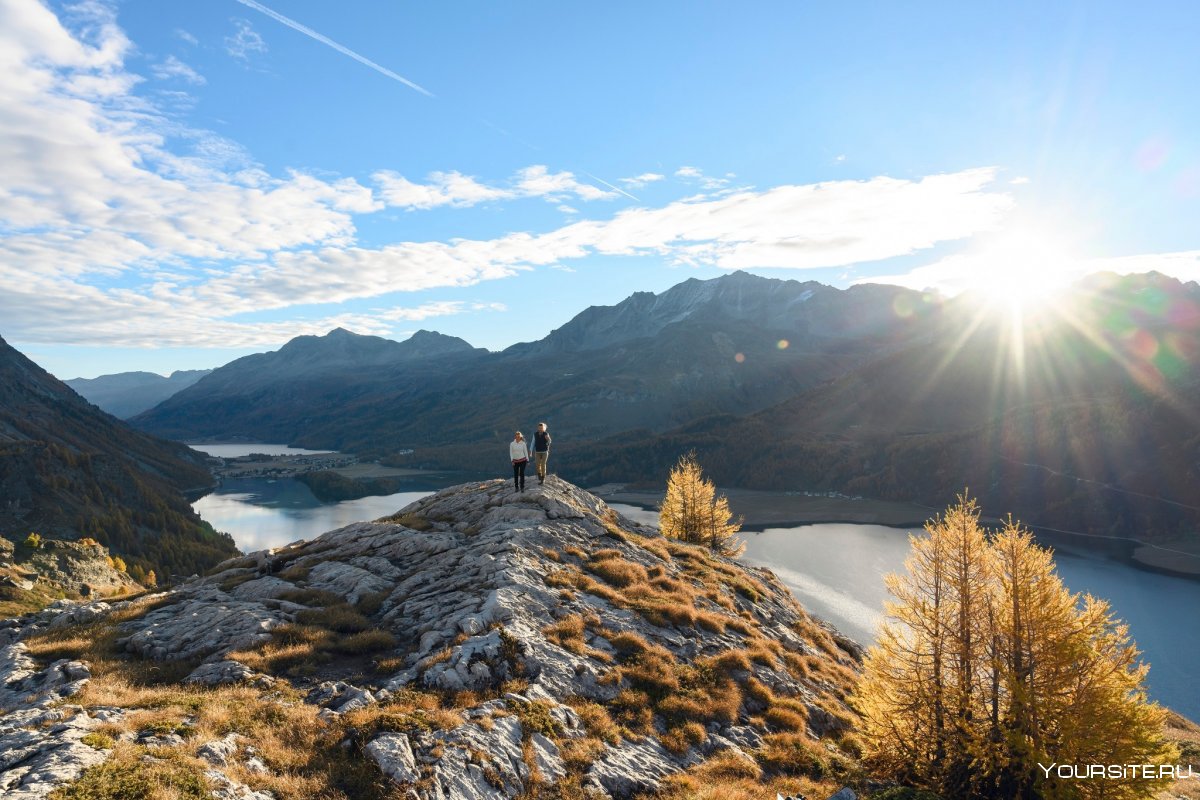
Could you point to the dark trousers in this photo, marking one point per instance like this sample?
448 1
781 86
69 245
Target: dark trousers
519 475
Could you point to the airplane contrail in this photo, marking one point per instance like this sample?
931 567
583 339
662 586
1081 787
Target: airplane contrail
325 40
609 185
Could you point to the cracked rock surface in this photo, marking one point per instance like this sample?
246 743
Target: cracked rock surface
463 583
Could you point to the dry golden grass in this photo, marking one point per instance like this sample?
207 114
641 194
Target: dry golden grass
596 720
567 633
372 641
341 618
410 520
371 602
729 662
654 544
317 598
618 571
681 739
731 777
299 749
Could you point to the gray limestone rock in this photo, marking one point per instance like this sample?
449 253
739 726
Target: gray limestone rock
219 673
394 755
340 697
226 788
205 622
221 751
634 767
466 595
41 749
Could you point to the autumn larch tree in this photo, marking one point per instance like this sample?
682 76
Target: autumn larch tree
692 510
987 667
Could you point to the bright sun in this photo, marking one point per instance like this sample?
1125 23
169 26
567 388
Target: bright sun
1021 270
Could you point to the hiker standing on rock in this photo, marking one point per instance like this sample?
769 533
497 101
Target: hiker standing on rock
541 451
518 453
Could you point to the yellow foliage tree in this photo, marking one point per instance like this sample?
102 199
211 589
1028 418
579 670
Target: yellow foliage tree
987 667
693 512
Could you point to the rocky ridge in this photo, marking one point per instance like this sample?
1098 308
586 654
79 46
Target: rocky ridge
480 643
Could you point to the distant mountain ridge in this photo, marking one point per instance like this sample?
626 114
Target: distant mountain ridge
734 344
277 396
126 394
70 470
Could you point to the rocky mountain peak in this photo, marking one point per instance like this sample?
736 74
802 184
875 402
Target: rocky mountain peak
481 643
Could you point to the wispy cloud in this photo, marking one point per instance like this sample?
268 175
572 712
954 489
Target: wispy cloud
460 191
180 33
172 67
244 41
641 181
325 40
696 176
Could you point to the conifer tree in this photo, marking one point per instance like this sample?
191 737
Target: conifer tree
693 512
987 667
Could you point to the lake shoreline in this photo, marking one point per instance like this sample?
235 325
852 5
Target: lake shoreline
762 510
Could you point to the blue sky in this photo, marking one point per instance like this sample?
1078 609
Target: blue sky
184 183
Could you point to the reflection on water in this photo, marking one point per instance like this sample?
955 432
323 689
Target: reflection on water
260 513
236 450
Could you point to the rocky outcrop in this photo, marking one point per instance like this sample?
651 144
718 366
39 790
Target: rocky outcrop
532 606
41 745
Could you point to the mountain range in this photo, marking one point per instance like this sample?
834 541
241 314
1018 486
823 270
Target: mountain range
1078 415
736 344
127 393
70 470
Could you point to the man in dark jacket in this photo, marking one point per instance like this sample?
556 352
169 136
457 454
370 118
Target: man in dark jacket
541 451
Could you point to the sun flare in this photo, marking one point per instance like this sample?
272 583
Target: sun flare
1021 270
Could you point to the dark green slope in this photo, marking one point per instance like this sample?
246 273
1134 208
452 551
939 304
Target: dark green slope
69 470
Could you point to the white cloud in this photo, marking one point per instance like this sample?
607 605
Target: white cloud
244 41
180 33
457 190
1019 180
172 67
122 228
695 175
566 209
442 189
957 273
640 181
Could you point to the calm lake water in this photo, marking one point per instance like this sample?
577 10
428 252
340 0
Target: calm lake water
260 513
242 449
835 570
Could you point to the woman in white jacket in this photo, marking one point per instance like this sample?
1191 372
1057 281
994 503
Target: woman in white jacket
518 453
